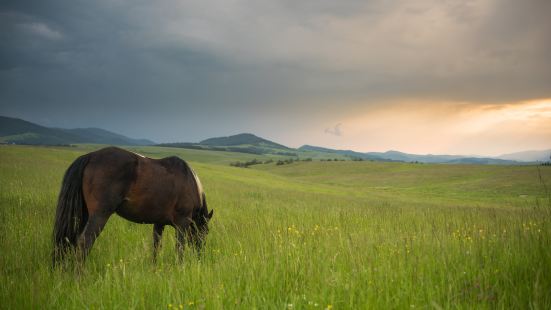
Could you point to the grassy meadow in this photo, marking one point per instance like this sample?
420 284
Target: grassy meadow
306 235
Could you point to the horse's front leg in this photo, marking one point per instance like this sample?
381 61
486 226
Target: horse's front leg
196 241
157 235
183 230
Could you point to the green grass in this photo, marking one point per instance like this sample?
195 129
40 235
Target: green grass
304 235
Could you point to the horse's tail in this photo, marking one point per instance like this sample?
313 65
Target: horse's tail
71 214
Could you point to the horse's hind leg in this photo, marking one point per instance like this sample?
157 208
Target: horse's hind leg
157 235
91 231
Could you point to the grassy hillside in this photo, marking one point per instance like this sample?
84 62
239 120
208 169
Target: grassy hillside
464 185
321 235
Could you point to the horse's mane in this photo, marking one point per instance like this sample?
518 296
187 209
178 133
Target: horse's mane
199 186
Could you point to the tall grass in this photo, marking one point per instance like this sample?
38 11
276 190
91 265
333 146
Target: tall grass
304 235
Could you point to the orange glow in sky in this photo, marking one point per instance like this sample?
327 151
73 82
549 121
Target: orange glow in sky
448 128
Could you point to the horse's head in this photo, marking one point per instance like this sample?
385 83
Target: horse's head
201 219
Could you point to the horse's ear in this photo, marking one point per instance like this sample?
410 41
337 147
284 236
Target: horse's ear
210 214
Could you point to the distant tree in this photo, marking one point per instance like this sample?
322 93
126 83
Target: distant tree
246 164
547 163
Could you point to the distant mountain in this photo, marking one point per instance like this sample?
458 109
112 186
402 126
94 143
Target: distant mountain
242 139
405 157
18 131
102 136
243 143
483 161
543 155
349 153
429 158
387 156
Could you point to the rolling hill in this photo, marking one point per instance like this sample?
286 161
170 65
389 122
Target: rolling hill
243 139
242 143
18 131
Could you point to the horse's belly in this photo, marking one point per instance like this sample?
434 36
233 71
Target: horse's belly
142 214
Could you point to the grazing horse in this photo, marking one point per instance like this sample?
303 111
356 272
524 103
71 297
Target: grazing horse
140 189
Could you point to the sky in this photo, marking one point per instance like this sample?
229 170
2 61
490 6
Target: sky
427 76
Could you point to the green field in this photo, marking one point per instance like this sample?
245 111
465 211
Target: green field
306 235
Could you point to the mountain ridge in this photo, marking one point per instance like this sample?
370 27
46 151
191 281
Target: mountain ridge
532 155
393 155
19 131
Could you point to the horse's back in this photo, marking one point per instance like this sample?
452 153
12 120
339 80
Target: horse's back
175 165
113 163
138 188
109 173
160 191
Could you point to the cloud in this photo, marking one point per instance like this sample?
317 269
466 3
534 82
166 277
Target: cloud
336 131
175 66
41 30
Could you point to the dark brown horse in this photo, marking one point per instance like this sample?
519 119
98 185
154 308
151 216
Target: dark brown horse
140 189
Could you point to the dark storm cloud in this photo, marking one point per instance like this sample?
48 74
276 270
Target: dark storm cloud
185 70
